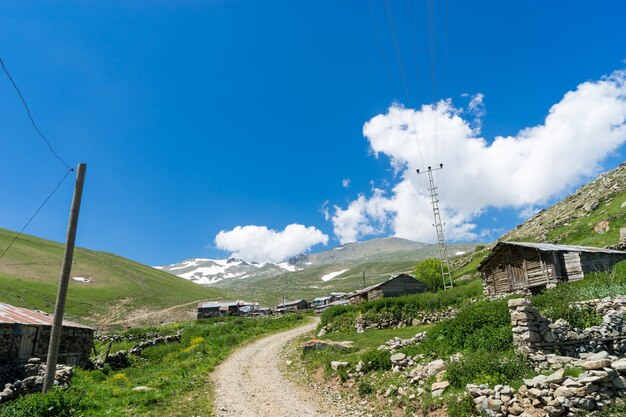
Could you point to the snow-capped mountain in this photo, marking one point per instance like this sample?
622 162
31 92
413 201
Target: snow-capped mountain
210 271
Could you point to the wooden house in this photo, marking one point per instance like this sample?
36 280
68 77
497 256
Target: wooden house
222 308
515 266
402 284
292 306
25 334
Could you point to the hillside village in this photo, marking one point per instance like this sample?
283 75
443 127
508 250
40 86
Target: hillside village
531 328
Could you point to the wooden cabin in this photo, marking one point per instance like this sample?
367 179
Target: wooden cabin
402 284
515 266
296 305
208 309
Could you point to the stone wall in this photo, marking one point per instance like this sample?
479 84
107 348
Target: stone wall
603 381
74 348
385 321
533 333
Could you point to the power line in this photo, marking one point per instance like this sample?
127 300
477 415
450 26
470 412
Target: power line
30 116
36 212
392 28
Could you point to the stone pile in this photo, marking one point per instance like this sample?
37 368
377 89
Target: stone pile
533 333
34 372
397 343
603 380
383 321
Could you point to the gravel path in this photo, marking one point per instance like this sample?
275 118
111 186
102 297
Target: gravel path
250 384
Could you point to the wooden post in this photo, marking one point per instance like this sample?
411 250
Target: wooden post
55 335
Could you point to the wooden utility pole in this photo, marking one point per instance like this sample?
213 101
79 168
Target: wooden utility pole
55 335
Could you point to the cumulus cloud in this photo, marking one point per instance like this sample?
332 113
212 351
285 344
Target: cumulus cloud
521 172
258 243
345 182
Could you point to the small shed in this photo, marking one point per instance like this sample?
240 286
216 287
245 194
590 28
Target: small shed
395 286
208 309
293 306
25 334
515 266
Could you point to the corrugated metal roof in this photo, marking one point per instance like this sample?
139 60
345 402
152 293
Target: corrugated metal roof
18 315
549 247
218 304
372 287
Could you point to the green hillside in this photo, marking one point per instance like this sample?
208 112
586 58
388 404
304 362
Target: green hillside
119 289
307 284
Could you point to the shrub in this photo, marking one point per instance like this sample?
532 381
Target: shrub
333 312
365 389
376 360
428 271
484 325
487 367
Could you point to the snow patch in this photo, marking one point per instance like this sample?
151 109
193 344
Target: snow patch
332 275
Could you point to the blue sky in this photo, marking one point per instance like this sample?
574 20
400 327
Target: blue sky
199 117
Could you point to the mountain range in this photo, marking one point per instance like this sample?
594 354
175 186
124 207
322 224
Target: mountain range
211 271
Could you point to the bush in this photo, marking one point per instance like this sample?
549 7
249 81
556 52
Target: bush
376 360
428 272
487 367
484 325
331 313
365 389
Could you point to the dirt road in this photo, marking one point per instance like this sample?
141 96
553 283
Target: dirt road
250 384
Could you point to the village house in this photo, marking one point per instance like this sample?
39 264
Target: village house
319 302
321 309
396 286
25 334
292 306
516 266
208 309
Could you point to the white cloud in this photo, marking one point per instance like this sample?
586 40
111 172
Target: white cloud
345 182
522 171
258 243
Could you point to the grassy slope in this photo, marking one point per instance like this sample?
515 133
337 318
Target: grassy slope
29 273
307 283
580 231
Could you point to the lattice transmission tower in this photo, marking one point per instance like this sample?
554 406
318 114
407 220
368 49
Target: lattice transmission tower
441 240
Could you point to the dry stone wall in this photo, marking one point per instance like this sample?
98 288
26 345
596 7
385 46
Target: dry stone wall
386 321
602 382
537 335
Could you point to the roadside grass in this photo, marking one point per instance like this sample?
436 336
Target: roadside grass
363 344
176 375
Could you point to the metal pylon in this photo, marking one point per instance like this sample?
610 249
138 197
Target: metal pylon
441 240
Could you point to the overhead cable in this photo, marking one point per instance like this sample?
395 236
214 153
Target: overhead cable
30 116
